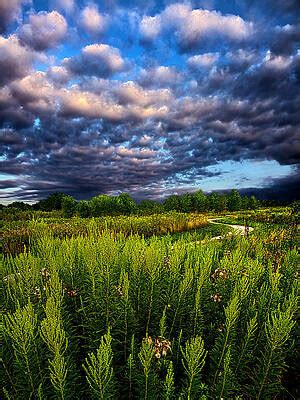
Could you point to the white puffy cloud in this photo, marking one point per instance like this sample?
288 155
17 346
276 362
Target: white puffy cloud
277 63
203 60
132 93
36 92
192 25
91 20
45 30
159 76
150 27
96 59
15 59
59 74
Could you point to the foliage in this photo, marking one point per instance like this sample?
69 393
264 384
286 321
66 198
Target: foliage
93 310
99 370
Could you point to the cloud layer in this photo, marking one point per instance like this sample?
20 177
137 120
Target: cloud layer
147 98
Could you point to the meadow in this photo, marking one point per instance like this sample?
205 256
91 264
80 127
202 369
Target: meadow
149 307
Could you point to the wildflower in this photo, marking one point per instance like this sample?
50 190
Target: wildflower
119 290
37 293
72 293
216 298
161 346
45 273
220 273
166 261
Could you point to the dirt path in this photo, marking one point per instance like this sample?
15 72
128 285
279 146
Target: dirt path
239 229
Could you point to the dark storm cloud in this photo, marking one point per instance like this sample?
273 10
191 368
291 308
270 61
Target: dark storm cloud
287 188
285 39
117 116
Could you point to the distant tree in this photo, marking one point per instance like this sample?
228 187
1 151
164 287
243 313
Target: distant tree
150 207
200 202
172 203
19 205
52 202
214 201
234 201
186 202
101 205
245 203
83 209
68 206
125 204
223 202
253 203
295 206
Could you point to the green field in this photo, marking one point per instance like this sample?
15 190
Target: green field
130 307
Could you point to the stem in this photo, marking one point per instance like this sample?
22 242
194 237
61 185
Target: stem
175 315
222 355
8 375
146 387
150 308
265 375
190 387
126 329
28 369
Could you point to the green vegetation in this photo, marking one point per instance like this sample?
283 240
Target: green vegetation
135 308
16 235
123 204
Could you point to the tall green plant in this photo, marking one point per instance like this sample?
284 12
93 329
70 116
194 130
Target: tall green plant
53 334
193 361
99 370
20 328
271 361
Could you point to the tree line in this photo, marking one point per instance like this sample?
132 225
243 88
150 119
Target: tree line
124 204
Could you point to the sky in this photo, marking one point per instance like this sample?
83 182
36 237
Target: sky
149 97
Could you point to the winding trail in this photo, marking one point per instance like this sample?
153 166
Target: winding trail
239 229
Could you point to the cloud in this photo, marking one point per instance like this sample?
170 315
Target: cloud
160 76
44 31
203 60
92 21
99 60
285 39
35 93
158 120
64 5
10 11
76 103
131 93
15 60
191 26
59 75
150 27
